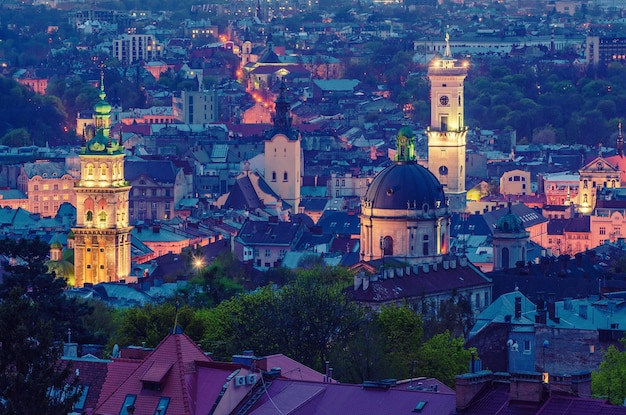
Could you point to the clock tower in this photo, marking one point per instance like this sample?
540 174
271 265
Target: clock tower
102 233
447 132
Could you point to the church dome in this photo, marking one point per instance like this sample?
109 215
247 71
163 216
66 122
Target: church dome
403 185
102 107
510 223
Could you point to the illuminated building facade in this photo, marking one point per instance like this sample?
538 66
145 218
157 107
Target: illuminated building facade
102 233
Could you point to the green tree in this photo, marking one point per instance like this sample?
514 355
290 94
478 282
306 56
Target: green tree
17 138
27 272
443 357
402 332
608 381
34 380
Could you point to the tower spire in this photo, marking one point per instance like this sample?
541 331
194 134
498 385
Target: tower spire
620 139
282 119
103 94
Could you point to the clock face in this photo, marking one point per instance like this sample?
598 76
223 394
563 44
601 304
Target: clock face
444 100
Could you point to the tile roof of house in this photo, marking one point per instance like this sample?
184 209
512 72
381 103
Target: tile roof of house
292 397
579 224
45 169
243 195
400 283
9 194
161 171
172 365
496 399
340 222
269 233
577 277
530 217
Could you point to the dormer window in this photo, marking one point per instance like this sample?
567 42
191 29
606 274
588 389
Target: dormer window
156 376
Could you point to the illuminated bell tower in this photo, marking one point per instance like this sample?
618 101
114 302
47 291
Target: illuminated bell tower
447 132
102 234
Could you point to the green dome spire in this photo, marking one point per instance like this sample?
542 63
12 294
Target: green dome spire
102 107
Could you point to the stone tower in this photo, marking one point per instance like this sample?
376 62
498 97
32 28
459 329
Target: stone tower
447 132
283 155
102 233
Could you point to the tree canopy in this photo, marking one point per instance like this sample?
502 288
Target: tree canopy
608 381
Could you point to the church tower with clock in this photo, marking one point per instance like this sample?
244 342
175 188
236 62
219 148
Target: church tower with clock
102 233
447 132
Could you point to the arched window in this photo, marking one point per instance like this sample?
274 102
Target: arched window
103 170
505 258
273 176
103 218
285 176
89 217
388 245
90 170
585 200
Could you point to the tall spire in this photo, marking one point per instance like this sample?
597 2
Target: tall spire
103 94
282 118
620 139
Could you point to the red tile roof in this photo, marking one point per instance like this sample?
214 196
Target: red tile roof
176 351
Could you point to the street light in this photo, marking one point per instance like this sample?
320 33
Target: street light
198 263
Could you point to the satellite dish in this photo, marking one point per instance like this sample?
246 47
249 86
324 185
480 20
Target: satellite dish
116 350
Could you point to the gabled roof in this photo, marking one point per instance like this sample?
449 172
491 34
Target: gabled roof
598 164
171 365
619 161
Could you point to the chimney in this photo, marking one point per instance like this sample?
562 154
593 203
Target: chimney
518 307
399 272
425 268
463 261
526 387
540 300
416 269
469 385
70 350
581 384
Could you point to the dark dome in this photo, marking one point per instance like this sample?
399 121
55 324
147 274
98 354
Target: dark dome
510 223
405 183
